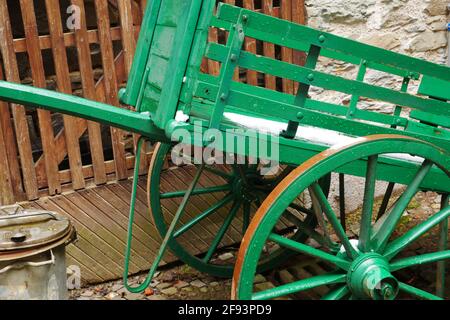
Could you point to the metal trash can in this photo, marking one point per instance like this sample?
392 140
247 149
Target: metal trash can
32 254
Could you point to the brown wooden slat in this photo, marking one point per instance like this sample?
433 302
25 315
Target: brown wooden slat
111 83
38 74
20 119
269 48
64 85
60 143
9 139
87 80
129 47
286 53
298 16
45 42
6 190
126 23
250 46
213 66
143 4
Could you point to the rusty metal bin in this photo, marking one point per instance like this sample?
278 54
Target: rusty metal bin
32 254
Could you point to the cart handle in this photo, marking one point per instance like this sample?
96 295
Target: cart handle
169 233
31 264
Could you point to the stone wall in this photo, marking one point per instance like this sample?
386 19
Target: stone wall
413 27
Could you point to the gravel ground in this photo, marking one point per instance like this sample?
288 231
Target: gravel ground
181 282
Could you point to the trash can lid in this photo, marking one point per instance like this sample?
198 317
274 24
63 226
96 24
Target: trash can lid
24 229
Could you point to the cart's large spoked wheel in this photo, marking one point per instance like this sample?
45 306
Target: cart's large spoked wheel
367 266
218 211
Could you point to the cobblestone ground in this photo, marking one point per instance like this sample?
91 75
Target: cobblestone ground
183 282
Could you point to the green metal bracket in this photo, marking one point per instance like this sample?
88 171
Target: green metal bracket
234 44
352 108
302 93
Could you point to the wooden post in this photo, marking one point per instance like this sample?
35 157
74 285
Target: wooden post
18 112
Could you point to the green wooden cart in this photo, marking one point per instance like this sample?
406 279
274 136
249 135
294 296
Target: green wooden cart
278 214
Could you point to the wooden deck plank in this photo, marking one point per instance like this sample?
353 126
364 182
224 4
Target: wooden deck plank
82 202
120 210
87 276
98 238
169 209
110 217
142 217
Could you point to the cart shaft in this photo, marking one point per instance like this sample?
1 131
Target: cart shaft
79 107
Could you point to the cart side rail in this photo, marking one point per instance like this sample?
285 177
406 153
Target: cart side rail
223 91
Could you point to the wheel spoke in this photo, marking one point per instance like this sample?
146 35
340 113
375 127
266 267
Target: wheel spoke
419 260
303 248
299 286
331 216
417 292
337 294
199 191
310 232
342 200
301 208
443 240
178 214
413 234
223 229
386 225
367 209
203 215
319 216
218 172
386 198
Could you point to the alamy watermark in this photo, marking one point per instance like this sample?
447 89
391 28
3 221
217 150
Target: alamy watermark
73 277
73 22
232 146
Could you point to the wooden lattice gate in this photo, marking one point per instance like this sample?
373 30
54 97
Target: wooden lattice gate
46 154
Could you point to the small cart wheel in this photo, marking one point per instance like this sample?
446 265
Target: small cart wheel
370 264
217 213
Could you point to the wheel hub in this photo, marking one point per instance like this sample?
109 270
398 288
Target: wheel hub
243 188
369 278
